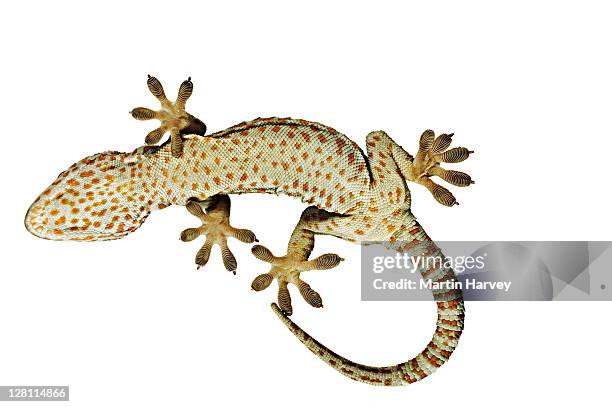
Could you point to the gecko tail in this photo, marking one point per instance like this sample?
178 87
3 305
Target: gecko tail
449 326
445 339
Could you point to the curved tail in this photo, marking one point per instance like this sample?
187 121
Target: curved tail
444 341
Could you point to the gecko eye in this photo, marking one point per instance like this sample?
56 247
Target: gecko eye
138 154
146 150
99 198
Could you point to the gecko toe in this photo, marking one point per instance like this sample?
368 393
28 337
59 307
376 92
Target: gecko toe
203 254
262 281
229 260
310 296
284 298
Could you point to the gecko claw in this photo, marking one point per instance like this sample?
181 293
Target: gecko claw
172 116
216 229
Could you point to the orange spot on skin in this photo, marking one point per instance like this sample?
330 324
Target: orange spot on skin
340 143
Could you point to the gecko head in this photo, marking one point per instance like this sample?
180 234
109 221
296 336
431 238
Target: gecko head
101 197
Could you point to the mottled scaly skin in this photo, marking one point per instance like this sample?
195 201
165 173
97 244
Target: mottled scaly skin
108 195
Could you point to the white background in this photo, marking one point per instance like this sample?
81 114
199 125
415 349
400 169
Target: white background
130 322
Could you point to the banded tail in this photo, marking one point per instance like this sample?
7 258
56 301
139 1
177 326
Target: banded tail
449 326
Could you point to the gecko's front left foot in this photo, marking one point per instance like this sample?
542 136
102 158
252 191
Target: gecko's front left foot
287 269
173 117
432 152
216 228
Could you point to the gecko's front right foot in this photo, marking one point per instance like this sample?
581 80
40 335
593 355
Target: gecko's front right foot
173 117
216 228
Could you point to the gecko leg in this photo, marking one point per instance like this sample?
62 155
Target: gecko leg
287 269
216 228
432 151
173 117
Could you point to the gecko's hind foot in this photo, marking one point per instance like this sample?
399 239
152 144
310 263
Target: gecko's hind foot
216 228
287 269
433 151
173 117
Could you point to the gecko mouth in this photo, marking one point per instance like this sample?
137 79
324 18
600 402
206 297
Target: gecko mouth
100 197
